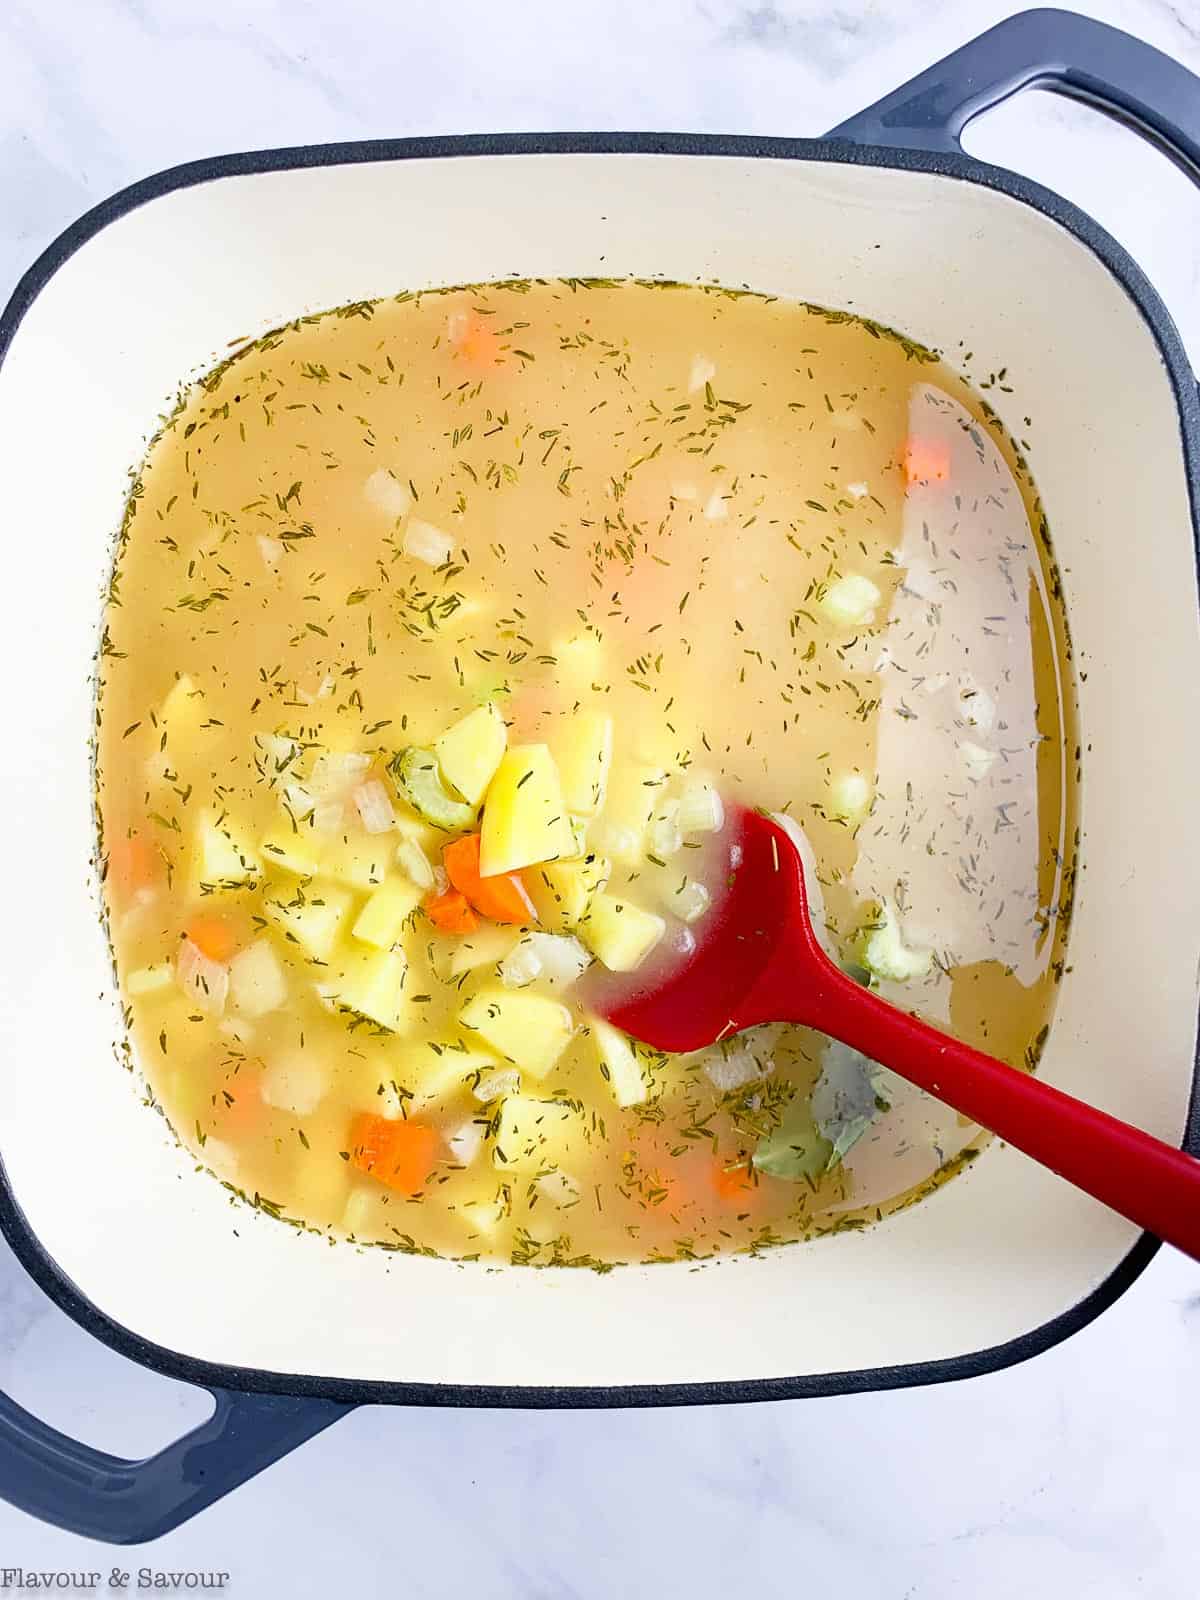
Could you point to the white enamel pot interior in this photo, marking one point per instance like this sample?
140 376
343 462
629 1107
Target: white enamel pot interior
156 296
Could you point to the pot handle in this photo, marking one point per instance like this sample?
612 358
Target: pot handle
1047 49
70 1484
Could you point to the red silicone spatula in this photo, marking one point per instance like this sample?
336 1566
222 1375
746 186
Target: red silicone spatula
758 960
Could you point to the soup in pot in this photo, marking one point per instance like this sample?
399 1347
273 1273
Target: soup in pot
443 629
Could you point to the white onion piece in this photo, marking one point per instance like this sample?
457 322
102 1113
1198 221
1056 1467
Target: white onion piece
293 1082
337 772
300 803
424 542
497 1084
558 1188
691 901
521 965
857 491
703 371
465 1143
271 550
414 863
735 1066
562 959
202 979
715 508
387 494
374 806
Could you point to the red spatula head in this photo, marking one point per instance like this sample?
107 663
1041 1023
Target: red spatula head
756 936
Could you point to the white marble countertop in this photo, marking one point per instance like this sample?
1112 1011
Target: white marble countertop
1078 1472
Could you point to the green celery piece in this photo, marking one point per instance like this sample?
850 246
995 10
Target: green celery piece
419 781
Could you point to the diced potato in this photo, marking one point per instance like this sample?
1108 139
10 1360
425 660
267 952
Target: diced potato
533 1134
293 1082
620 934
490 943
361 862
426 543
224 858
850 797
524 817
583 749
382 919
561 890
664 836
884 953
257 981
311 915
852 601
387 493
288 851
633 791
529 1030
373 986
977 760
150 980
619 1064
470 751
433 1071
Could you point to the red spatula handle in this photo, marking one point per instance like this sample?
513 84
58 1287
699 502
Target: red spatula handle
1144 1179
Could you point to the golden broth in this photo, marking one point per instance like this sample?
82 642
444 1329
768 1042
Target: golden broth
653 497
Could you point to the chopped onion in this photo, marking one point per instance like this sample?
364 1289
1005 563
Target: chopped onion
701 809
715 508
521 965
692 901
465 1143
703 371
414 863
614 839
561 958
441 880
336 772
683 490
237 1029
204 980
733 1066
977 761
683 941
558 1188
851 601
387 494
857 491
497 1084
293 1082
850 797
300 803
271 550
322 692
327 817
279 753
426 543
665 836
375 807
846 420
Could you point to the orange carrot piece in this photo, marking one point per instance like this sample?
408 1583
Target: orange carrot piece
213 936
503 898
733 1183
238 1102
133 864
451 912
471 338
926 461
399 1154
